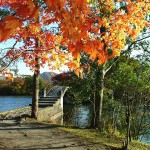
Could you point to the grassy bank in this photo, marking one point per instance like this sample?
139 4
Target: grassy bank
108 140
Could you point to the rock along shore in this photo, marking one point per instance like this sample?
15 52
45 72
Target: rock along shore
16 113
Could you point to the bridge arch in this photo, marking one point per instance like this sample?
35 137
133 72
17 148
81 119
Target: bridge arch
51 104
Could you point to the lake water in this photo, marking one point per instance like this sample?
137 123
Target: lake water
13 102
78 116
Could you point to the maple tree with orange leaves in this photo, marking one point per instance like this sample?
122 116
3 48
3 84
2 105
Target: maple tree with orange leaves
96 28
99 29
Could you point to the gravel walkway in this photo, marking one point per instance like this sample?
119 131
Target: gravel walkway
38 136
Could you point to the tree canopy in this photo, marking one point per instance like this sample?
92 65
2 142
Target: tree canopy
100 29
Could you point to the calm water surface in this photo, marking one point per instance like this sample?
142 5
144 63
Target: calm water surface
78 116
13 102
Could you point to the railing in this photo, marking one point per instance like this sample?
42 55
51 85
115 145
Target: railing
54 91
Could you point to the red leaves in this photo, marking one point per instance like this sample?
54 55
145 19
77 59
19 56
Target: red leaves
11 23
23 10
56 5
80 26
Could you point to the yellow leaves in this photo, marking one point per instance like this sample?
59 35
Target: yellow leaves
78 57
8 75
34 28
110 5
105 22
90 1
115 52
121 35
75 66
59 39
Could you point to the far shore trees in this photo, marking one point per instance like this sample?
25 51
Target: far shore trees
19 86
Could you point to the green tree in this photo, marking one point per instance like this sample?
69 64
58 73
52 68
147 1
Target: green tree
129 81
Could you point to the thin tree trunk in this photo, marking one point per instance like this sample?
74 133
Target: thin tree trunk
101 97
128 136
96 103
95 114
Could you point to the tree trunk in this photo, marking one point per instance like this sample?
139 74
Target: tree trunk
95 113
98 102
128 136
35 90
34 113
101 97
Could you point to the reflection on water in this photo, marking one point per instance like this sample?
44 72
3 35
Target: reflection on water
145 139
78 116
13 102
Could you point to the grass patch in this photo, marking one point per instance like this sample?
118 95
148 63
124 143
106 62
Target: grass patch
108 140
135 145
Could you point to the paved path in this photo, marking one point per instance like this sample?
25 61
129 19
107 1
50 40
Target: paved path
37 136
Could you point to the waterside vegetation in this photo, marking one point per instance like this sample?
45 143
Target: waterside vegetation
114 142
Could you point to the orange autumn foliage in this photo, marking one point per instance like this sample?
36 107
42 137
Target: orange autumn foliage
89 27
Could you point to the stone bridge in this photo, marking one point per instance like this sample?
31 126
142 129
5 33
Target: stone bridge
51 105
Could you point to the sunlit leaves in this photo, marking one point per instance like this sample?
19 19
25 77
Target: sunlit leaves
89 27
6 73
